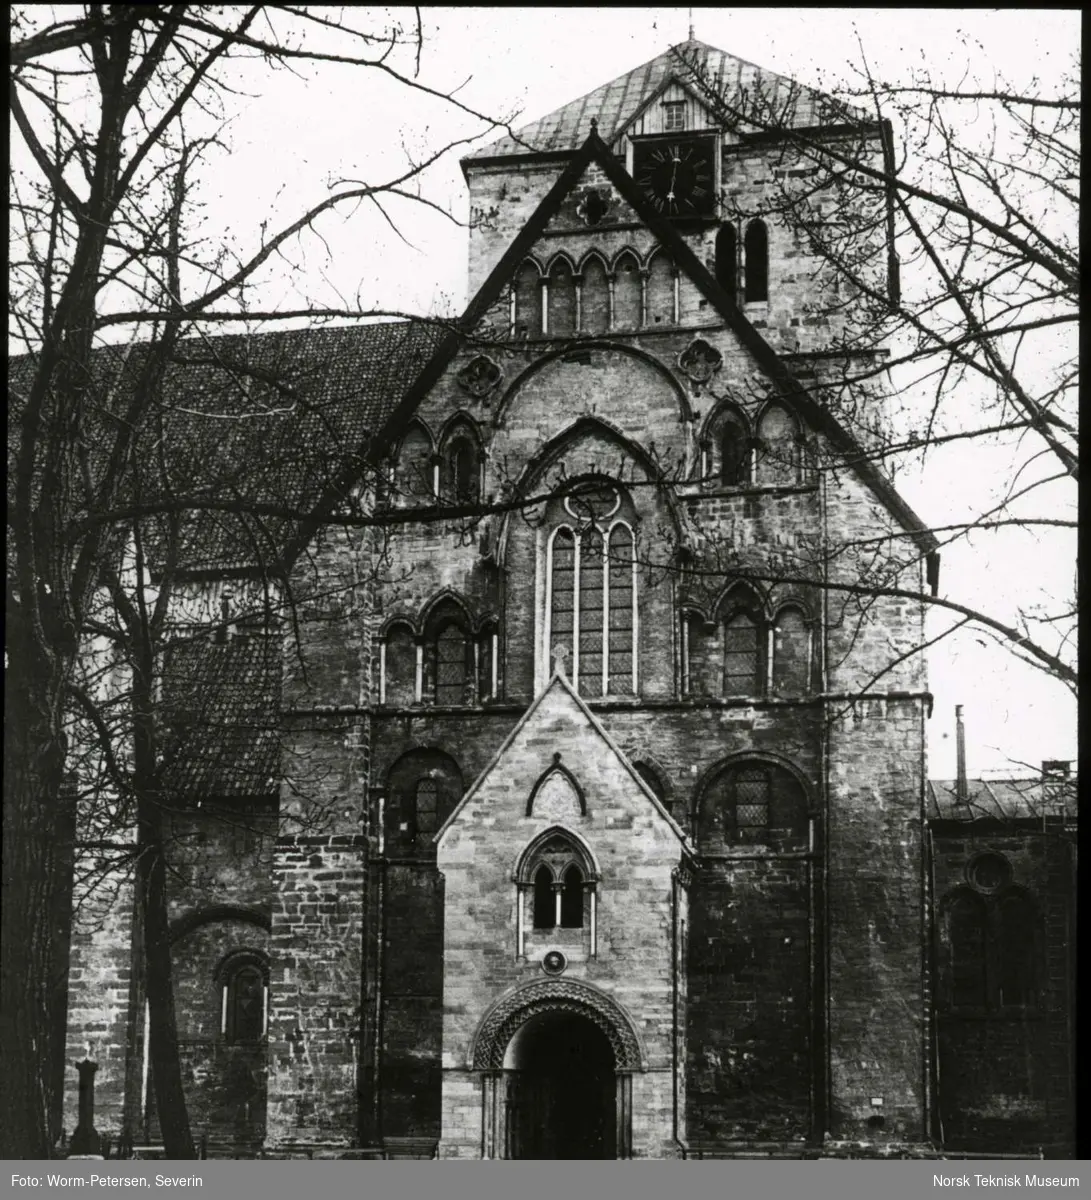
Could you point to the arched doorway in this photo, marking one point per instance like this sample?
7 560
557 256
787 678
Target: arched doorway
561 1089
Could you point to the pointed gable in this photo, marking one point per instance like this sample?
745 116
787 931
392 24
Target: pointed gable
693 64
581 757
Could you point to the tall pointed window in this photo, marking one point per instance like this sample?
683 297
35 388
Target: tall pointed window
527 301
591 610
460 468
781 448
545 911
572 898
399 666
742 655
756 266
451 675
791 653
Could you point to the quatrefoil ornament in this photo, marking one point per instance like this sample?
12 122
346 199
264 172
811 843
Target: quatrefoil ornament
479 376
700 361
593 207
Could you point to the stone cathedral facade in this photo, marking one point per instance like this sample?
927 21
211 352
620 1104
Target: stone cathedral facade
593 826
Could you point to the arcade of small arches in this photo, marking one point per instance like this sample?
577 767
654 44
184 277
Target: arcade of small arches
629 291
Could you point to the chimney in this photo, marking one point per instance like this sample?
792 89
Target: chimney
1056 768
962 789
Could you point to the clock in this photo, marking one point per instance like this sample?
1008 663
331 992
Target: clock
677 175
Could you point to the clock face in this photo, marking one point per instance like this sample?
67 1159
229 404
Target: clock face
676 176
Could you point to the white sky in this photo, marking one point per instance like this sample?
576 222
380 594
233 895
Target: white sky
296 133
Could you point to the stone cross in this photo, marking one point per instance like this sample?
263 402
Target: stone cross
560 653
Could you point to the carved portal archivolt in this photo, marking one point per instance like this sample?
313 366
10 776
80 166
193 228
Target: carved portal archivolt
503 1133
555 995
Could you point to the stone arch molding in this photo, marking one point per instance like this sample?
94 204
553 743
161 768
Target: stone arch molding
555 995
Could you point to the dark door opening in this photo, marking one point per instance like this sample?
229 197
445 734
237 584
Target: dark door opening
561 1090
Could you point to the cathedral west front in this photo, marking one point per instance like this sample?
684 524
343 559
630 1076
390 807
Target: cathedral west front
585 821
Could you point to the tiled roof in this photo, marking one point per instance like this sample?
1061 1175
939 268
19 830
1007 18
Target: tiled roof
270 419
220 715
738 84
1001 799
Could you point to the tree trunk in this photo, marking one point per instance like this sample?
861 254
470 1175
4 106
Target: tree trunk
33 780
166 1067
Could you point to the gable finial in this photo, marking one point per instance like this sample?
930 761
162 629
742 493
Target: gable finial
691 24
560 653
594 124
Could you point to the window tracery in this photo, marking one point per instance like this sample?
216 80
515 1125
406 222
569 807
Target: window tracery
591 592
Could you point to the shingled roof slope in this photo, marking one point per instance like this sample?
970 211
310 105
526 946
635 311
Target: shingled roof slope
614 105
268 421
221 710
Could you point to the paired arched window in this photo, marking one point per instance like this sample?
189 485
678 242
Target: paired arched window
244 997
741 654
756 262
992 955
556 884
451 664
558 903
591 592
752 802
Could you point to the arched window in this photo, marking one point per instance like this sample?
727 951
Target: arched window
791 653
528 301
734 448
556 884
545 908
704 645
594 297
426 809
452 664
562 298
966 940
461 469
780 440
661 291
245 999
727 260
752 802
651 777
487 680
592 591
422 789
756 248
743 675
628 301
414 473
399 667
1016 965
572 898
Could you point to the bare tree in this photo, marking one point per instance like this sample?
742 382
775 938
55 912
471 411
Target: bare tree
116 109
959 252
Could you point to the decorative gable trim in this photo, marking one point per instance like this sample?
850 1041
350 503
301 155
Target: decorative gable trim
594 149
558 768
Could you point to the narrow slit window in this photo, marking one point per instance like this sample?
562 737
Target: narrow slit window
756 247
742 656
545 910
572 899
